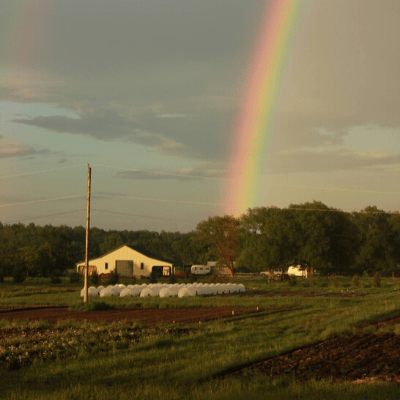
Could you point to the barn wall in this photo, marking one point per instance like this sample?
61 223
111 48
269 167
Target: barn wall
125 253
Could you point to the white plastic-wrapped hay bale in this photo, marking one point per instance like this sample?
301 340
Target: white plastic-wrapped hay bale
135 290
219 289
183 292
115 290
174 290
165 292
234 288
187 292
154 291
230 288
241 288
203 290
106 292
93 292
126 292
100 288
146 292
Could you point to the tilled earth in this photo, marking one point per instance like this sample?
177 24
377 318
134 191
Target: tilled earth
359 358
150 316
363 357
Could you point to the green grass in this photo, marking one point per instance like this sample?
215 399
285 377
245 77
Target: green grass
166 366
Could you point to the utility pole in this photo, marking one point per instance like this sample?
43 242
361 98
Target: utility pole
85 294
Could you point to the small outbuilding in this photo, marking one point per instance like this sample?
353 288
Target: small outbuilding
129 261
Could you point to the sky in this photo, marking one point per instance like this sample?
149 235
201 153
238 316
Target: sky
149 93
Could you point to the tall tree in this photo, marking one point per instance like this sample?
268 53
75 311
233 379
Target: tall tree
223 234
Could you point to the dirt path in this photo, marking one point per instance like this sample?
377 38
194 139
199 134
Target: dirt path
150 316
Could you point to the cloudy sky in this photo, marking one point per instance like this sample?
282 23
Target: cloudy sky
148 92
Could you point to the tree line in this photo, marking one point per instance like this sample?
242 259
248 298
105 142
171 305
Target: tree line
264 237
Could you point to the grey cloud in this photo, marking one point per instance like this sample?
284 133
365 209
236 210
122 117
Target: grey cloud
198 174
192 136
187 60
329 160
17 149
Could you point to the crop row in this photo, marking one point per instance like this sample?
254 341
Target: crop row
23 347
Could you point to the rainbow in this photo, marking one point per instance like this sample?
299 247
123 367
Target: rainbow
254 125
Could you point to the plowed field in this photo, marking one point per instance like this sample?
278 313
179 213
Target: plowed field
150 316
358 358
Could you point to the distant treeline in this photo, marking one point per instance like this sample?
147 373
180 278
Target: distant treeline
267 237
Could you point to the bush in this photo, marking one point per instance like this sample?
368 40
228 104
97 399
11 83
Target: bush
18 274
92 306
292 281
114 278
182 275
377 279
94 278
313 281
334 281
356 281
55 279
74 277
172 279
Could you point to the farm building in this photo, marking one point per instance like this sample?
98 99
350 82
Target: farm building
129 261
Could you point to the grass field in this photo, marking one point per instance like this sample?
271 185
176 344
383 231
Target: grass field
71 360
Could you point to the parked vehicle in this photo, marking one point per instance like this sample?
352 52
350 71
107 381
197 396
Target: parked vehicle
277 272
298 270
200 269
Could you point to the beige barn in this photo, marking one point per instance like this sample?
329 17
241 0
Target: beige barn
129 261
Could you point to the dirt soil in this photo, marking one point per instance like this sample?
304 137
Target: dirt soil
358 358
150 316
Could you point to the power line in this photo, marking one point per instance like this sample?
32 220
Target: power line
41 201
149 171
38 172
141 216
43 216
336 189
161 200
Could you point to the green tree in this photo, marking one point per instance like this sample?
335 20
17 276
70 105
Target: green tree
378 240
223 234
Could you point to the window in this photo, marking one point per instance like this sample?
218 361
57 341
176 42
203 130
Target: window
141 266
106 266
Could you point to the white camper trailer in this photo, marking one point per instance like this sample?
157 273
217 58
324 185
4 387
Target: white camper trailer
200 269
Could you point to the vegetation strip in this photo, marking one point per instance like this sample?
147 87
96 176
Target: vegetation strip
22 347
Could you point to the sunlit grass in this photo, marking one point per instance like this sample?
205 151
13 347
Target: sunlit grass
172 367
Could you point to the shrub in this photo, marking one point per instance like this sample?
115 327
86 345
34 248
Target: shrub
334 281
92 306
377 279
74 277
18 274
114 277
356 281
94 278
173 279
55 279
313 281
181 275
292 281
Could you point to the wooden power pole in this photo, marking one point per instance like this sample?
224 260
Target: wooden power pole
85 294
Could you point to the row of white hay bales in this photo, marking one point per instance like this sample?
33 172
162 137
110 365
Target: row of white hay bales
164 290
